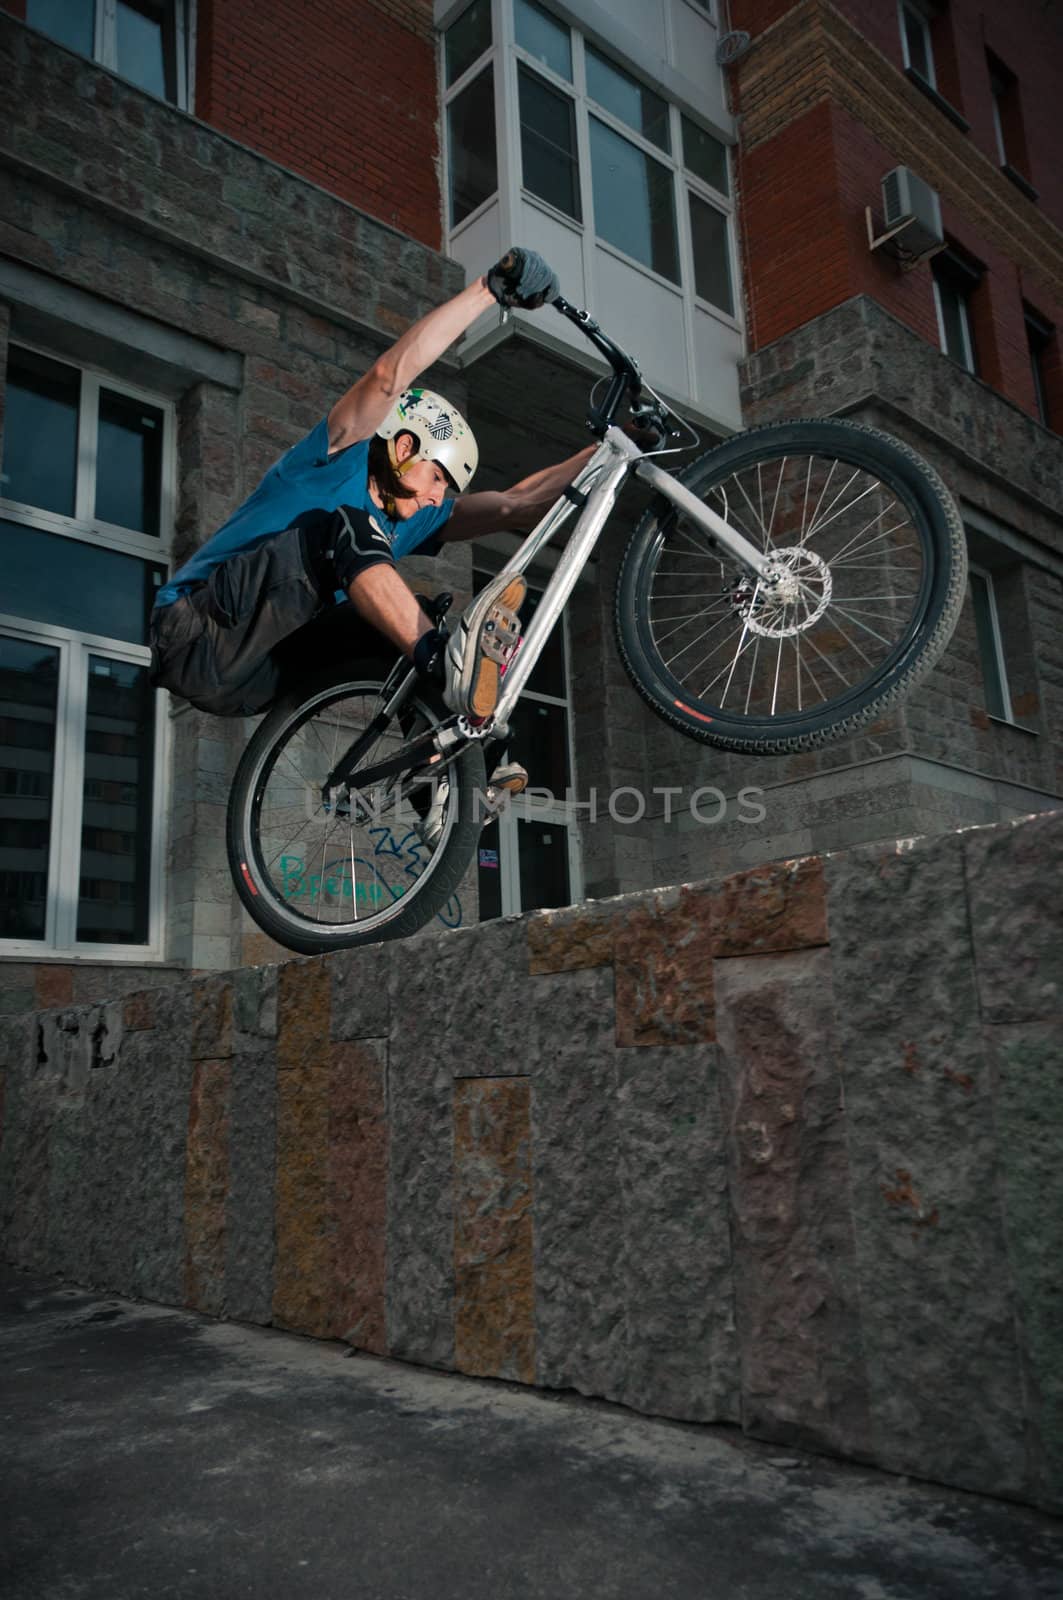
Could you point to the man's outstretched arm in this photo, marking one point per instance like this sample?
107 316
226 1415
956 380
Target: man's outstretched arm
521 278
518 508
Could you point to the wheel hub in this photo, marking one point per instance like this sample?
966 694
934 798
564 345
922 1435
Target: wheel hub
790 598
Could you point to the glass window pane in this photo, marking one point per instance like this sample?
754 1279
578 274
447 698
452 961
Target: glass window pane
548 144
41 432
69 22
538 739
706 156
988 652
633 202
954 323
115 875
143 38
29 681
543 848
712 255
467 39
129 463
917 44
628 99
548 41
489 872
51 579
471 147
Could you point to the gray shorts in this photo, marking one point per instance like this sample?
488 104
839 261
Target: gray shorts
261 619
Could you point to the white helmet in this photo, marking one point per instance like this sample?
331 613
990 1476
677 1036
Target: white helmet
441 433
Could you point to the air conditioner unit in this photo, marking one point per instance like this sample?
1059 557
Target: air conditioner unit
912 213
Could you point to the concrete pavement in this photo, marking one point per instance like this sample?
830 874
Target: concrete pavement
151 1452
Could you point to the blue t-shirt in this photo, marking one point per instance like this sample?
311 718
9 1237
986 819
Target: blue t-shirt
305 481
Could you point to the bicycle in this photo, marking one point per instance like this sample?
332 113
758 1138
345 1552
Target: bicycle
786 588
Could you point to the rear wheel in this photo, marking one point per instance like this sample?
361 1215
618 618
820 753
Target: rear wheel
323 872
868 573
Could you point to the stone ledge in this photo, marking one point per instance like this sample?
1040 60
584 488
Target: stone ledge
777 1150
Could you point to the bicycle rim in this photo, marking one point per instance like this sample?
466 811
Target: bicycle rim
860 583
327 868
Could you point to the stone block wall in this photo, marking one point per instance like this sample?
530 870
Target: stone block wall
779 1150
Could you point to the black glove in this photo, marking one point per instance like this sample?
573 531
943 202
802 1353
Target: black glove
522 278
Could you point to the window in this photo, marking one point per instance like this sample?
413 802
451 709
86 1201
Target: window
954 283
143 41
601 147
471 139
1008 127
528 859
548 144
1039 345
916 43
990 646
85 511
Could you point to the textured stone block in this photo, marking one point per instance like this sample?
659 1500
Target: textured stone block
301 1291
254 1006
206 1187
782 906
580 1288
1027 1066
360 997
663 964
53 986
795 1280
494 1323
1013 884
681 1353
250 1221
139 1010
357 1192
936 1313
572 939
212 1011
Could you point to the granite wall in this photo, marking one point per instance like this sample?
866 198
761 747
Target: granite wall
781 1150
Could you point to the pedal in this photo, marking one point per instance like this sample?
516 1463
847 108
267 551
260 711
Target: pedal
500 636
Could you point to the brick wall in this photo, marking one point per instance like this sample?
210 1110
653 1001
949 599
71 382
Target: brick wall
846 1066
826 110
345 95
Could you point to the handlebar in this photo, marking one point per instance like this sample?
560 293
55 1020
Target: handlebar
627 374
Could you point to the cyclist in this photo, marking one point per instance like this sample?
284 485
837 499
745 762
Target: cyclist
329 520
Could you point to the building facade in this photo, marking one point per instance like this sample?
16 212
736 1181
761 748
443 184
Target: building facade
216 215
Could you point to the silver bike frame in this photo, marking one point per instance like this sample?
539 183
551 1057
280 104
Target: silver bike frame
600 481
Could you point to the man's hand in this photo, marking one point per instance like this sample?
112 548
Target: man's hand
522 278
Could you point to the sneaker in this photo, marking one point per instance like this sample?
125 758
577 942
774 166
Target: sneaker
482 646
507 781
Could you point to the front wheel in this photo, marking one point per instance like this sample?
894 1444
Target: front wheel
869 568
323 871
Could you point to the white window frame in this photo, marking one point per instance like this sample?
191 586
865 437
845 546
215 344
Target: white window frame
84 525
68 776
968 362
105 47
504 57
905 9
997 644
75 648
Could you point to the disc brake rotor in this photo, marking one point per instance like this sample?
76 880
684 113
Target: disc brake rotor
791 599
